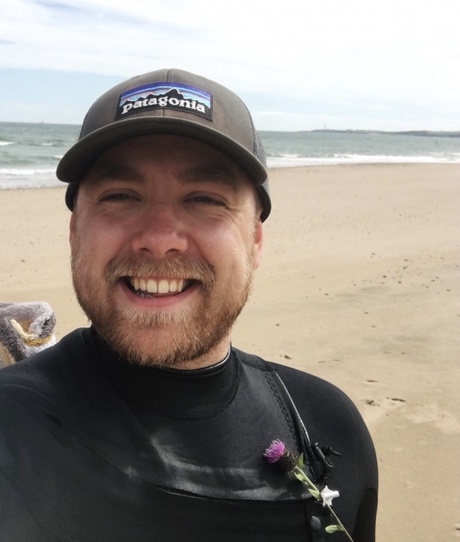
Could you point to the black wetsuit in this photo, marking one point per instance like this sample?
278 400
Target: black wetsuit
94 449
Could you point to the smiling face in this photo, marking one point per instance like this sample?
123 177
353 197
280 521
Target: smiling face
165 237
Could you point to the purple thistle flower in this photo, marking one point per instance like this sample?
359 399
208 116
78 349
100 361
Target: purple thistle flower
279 454
275 451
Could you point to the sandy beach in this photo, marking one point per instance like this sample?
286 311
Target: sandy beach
359 285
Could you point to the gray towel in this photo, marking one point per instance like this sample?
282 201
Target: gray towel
25 328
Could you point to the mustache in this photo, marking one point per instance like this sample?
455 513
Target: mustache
178 267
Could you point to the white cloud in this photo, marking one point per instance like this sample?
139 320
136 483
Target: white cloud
395 52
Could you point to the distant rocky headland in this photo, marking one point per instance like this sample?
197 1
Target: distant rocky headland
425 133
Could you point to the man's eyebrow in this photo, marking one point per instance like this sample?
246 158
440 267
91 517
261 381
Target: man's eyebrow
213 174
101 171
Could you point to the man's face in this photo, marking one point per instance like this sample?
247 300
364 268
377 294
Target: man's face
165 237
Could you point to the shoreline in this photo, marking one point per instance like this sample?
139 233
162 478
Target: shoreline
359 284
320 163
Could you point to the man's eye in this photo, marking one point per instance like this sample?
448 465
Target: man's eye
116 197
209 200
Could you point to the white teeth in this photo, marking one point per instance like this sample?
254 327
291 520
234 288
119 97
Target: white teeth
153 286
163 287
176 285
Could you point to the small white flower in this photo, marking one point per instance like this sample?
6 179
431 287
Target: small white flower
327 495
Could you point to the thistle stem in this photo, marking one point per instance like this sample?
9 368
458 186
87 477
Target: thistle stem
316 493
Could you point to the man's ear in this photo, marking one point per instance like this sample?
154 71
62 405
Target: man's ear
258 243
72 226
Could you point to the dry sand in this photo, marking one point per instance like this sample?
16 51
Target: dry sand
359 285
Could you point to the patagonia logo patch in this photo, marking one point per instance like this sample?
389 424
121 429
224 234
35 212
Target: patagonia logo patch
165 96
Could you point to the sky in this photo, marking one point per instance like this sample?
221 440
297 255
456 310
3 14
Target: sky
298 64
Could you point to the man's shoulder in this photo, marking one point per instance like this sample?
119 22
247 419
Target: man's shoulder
317 400
35 375
297 380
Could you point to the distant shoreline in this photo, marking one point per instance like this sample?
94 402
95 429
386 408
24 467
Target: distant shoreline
421 133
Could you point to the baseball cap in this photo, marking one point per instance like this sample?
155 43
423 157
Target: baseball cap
168 101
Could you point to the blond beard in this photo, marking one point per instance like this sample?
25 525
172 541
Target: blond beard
198 330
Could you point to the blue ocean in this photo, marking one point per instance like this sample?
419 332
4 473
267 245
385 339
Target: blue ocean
29 153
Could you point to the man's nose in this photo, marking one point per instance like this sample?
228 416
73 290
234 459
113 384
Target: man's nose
160 231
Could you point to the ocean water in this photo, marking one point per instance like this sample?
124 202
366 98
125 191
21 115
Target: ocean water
29 153
286 149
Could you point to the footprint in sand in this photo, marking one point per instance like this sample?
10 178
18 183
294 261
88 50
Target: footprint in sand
445 421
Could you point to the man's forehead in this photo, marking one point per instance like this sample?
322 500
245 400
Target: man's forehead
188 160
116 169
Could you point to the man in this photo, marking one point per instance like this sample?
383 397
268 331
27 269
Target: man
149 425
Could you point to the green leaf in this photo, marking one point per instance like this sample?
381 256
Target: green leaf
315 494
333 529
301 461
299 476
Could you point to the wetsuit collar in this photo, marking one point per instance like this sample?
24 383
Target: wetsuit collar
199 393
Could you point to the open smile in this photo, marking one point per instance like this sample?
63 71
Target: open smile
150 287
